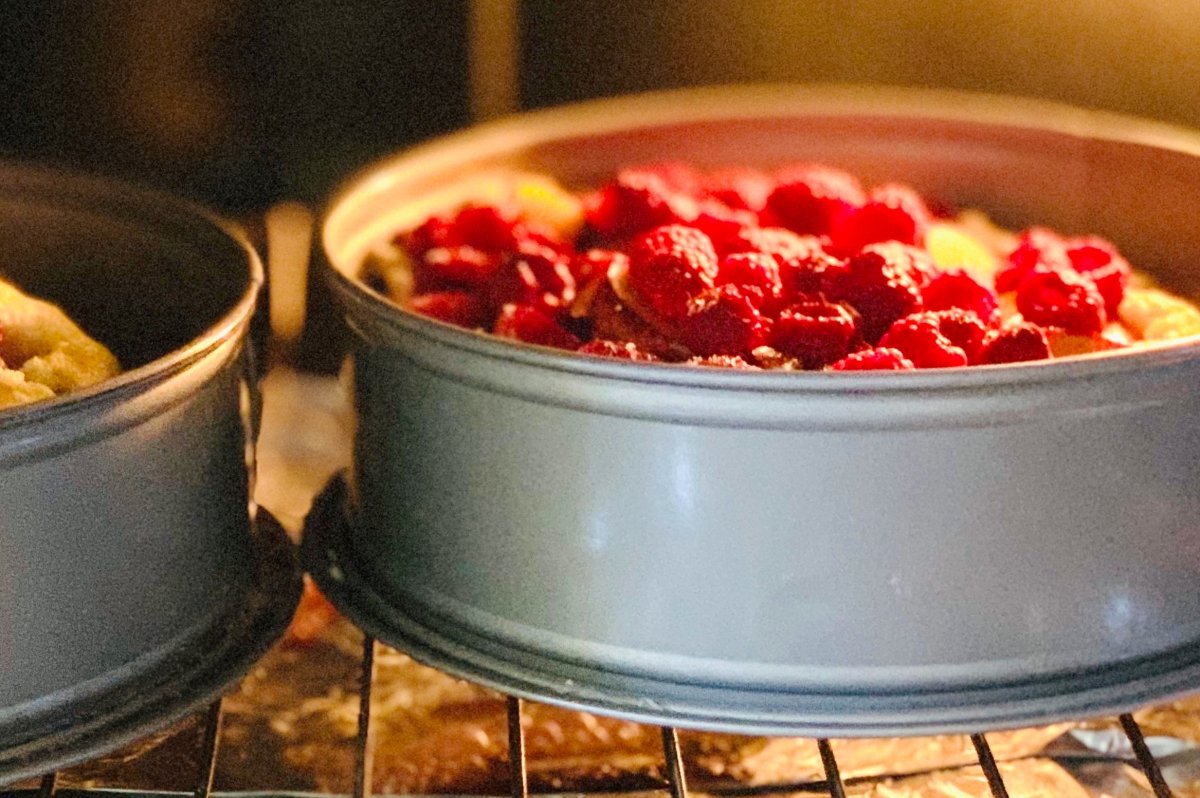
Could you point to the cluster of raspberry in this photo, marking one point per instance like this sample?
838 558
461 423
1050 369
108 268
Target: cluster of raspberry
800 269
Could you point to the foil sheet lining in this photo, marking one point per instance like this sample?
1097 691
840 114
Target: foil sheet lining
1039 778
434 733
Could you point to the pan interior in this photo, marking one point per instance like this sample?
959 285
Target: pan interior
142 277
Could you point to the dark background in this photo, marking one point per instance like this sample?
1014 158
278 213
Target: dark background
240 103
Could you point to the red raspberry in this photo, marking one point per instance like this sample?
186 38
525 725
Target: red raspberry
815 331
914 260
622 350
533 275
437 231
1061 299
881 283
877 359
721 321
964 329
487 227
779 243
456 266
957 289
1099 260
921 340
812 199
727 228
533 326
1015 344
739 188
756 274
668 266
638 200
892 212
454 307
723 361
813 274
1037 247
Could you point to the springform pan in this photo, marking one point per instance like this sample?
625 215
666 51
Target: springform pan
133 584
827 554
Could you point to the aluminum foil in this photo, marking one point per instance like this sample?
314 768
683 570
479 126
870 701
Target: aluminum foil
774 761
437 734
1037 778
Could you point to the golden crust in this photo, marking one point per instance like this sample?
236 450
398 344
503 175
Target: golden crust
43 353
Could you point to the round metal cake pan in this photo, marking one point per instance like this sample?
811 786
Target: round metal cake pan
813 553
125 517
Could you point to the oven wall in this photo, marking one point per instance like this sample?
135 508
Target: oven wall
242 102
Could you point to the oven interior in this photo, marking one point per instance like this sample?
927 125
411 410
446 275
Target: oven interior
330 712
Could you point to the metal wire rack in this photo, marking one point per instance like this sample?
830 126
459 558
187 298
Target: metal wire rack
676 780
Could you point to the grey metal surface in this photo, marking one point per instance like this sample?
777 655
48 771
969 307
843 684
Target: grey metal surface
165 685
685 700
124 509
826 554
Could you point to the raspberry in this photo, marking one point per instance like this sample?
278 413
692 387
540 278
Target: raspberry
1099 260
957 289
637 200
881 284
721 321
1037 247
533 326
921 340
813 199
738 188
454 307
436 231
877 359
456 266
816 332
963 328
533 275
756 274
914 260
1061 299
1015 344
892 212
487 227
723 361
779 243
622 350
670 265
727 228
813 274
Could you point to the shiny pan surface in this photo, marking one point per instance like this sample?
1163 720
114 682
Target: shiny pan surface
132 584
829 554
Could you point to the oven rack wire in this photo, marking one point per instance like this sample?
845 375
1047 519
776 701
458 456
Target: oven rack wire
676 785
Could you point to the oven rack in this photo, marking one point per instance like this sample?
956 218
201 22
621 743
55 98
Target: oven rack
676 785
